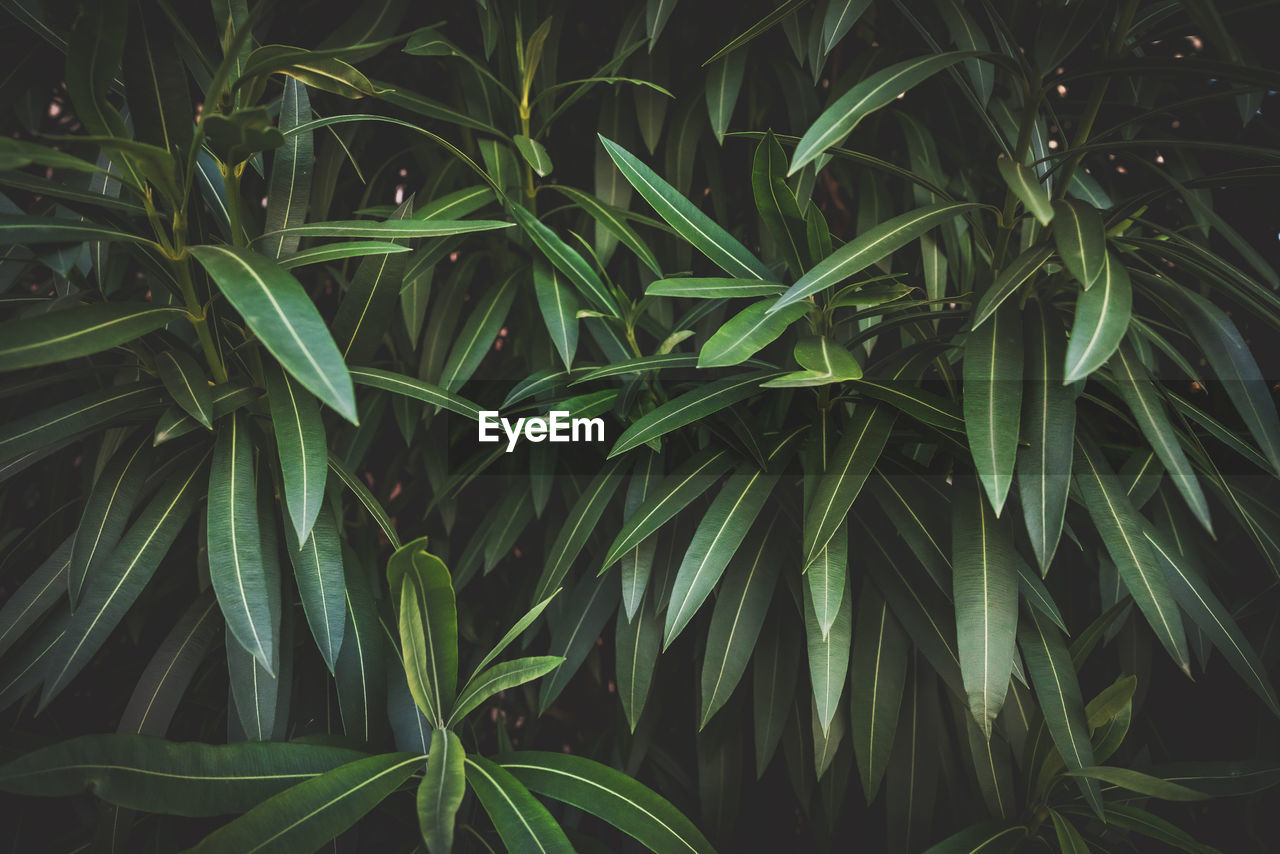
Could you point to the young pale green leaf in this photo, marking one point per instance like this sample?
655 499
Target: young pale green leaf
676 491
1198 602
300 441
740 610
1102 319
318 570
109 594
56 336
1048 423
172 778
992 399
1120 527
610 795
1008 281
985 587
106 513
746 333
305 816
559 309
1082 244
282 316
689 222
428 627
289 192
186 384
237 565
777 204
876 91
568 260
534 154
878 674
523 823
500 677
716 540
823 361
690 407
871 246
724 81
828 655
1023 182
851 461
440 793
1140 395
712 288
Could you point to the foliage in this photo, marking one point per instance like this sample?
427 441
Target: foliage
928 353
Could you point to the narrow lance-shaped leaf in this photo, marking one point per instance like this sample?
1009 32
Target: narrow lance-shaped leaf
428 630
534 154
773 679
574 631
1024 184
56 336
777 204
578 526
559 310
365 312
300 442
523 823
502 676
724 81
1140 395
568 260
878 674
107 512
164 681
186 384
992 400
305 816
1082 245
440 792
840 17
1102 319
690 223
637 643
1048 421
1008 281
746 333
828 655
38 593
1120 527
878 90
986 603
827 577
80 414
318 570
477 335
871 246
290 190
280 313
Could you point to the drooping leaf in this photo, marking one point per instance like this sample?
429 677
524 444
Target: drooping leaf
993 357
1102 319
440 792
318 571
559 311
689 407
828 655
724 81
1082 246
878 674
568 260
523 823
56 336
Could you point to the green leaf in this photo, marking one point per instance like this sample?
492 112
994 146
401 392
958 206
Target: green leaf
840 17
236 562
1082 245
712 288
1008 281
1048 423
1102 319
689 222
327 73
289 192
392 229
56 336
1187 583
186 384
225 398
501 677
716 540
23 229
638 366
43 588
1142 784
968 36
1058 691
637 643
677 490
255 693
318 570
1025 184
690 407
416 389
1140 821
578 526
534 154
851 461
280 313
305 816
828 655
985 587
1140 395
1120 527
339 251
568 260
574 631
827 578
608 794
109 594
94 52
773 678
523 823
106 513
741 606
174 778
1069 839
871 246
777 204
878 674
475 339
367 308
441 790
760 27
559 310
360 673
300 441
428 628
609 218
724 81
746 333
876 91
76 416
824 362
993 397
